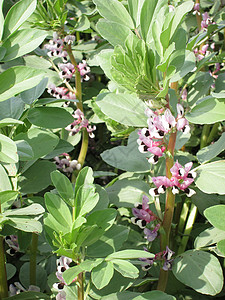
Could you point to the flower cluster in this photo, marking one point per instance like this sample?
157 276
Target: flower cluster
60 92
16 288
206 21
84 70
67 71
181 178
62 265
65 164
151 139
12 241
164 257
56 46
143 216
79 123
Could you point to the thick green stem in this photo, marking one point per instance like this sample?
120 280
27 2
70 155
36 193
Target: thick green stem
183 216
204 136
3 275
33 257
80 289
188 228
169 209
213 133
198 18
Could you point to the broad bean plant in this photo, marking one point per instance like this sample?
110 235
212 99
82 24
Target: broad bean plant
112 149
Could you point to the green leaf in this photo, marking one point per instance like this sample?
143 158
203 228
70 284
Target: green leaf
36 178
29 296
6 196
31 210
18 79
41 141
127 158
41 276
127 192
85 176
58 209
100 221
215 215
111 241
50 117
129 254
86 265
114 11
154 295
180 12
209 237
126 109
25 224
147 16
22 42
63 186
5 183
200 271
102 274
86 199
10 271
62 147
1 19
210 110
24 150
211 177
211 151
11 108
17 15
114 33
125 268
82 23
29 96
221 246
8 150
135 10
9 121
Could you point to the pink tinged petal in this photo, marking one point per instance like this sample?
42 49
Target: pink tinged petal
182 123
156 151
180 110
188 166
186 183
145 201
169 117
174 170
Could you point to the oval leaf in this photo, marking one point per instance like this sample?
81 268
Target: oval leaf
8 150
215 215
199 270
50 117
211 177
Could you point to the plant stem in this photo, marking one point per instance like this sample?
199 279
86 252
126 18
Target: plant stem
188 228
33 257
198 17
183 216
204 136
169 209
3 275
80 289
213 132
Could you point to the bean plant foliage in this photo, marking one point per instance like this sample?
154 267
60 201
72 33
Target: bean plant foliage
112 146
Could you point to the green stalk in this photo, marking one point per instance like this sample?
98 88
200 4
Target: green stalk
198 18
213 133
183 216
3 274
188 228
169 209
80 290
33 258
204 136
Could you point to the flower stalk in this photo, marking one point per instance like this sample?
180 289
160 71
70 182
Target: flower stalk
33 258
3 274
